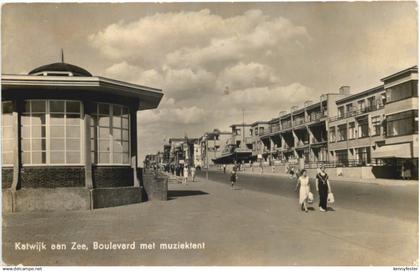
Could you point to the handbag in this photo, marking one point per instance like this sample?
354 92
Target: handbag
310 197
330 198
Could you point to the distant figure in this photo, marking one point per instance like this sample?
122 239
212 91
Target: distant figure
304 190
224 168
193 173
323 187
185 174
292 172
233 176
406 170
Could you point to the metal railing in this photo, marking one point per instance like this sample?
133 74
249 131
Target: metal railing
357 112
344 163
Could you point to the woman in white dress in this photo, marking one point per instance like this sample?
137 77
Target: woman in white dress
304 190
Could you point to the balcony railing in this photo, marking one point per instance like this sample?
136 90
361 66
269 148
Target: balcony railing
315 116
299 121
302 143
357 112
318 140
286 125
344 163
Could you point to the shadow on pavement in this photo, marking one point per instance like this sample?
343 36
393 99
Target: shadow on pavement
173 194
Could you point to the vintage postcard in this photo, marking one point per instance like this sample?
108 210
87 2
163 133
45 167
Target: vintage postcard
210 134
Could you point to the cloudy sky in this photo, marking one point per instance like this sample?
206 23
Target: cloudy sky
213 59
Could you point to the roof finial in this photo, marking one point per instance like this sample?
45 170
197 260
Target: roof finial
62 55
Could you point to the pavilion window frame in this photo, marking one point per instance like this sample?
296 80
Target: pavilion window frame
96 138
48 133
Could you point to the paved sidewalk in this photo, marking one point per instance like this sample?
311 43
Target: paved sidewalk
238 227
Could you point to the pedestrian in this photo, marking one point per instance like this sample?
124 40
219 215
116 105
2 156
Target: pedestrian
193 173
304 190
292 172
224 168
406 170
185 174
233 176
323 187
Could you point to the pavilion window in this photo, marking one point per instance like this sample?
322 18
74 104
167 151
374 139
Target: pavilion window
51 132
110 135
7 138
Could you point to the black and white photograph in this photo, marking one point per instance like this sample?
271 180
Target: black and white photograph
237 134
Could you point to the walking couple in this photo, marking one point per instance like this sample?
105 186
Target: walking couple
322 186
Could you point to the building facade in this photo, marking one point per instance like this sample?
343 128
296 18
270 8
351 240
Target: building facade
357 129
400 147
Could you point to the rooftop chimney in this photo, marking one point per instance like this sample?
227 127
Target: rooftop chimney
344 90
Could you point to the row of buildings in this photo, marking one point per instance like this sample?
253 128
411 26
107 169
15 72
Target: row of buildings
375 128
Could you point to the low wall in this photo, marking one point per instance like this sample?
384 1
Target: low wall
155 185
64 199
110 197
46 199
6 177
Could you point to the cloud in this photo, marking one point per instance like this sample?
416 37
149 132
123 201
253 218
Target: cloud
245 75
210 66
191 39
194 57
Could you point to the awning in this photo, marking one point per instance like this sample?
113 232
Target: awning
402 150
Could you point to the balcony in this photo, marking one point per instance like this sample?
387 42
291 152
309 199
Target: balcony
360 111
286 125
315 116
298 121
318 140
302 143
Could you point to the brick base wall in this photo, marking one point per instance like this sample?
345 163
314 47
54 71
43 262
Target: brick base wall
112 176
52 177
6 177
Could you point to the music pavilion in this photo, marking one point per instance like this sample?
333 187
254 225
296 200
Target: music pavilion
69 139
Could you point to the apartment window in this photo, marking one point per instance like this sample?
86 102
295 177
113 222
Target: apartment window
342 132
256 131
251 131
352 130
371 103
402 91
404 123
51 132
110 134
349 109
341 112
342 157
332 134
238 131
8 136
363 128
261 130
376 124
362 105
363 155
